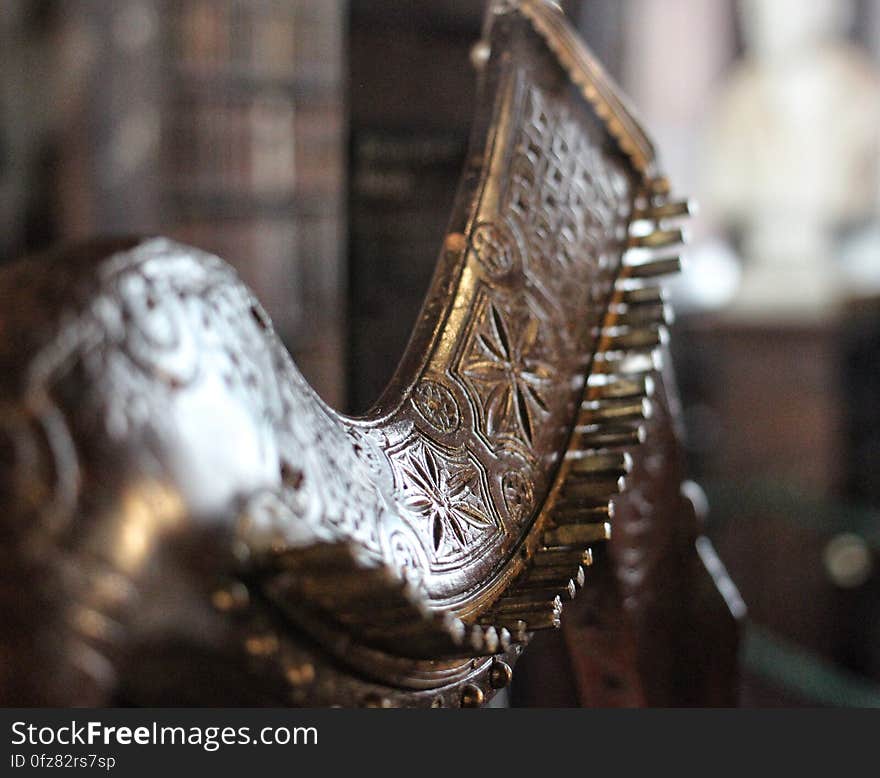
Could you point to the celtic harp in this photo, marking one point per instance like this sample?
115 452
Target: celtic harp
184 521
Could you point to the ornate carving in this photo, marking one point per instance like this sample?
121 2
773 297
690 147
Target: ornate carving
495 247
437 405
511 370
519 496
595 85
572 201
445 494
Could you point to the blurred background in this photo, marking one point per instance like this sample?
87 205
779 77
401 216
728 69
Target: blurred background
316 145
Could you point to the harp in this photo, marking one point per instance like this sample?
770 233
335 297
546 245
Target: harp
186 522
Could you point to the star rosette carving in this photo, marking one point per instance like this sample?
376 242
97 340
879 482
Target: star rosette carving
445 496
508 366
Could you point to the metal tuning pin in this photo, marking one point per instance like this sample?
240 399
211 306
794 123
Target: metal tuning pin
553 577
474 638
559 556
578 534
594 465
645 316
576 513
528 602
565 591
491 641
565 585
593 490
593 439
601 411
679 209
645 295
537 620
377 605
535 615
658 239
622 388
652 268
633 362
643 339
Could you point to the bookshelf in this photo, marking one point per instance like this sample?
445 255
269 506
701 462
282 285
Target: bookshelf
253 154
220 123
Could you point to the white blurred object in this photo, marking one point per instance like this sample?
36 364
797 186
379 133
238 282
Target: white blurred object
848 560
860 262
710 278
793 152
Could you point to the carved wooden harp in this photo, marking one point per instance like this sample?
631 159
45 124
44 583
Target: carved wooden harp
185 522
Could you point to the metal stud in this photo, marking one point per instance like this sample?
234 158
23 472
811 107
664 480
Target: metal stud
500 675
472 696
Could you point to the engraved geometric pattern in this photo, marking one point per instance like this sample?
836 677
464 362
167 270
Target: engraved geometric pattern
509 368
445 494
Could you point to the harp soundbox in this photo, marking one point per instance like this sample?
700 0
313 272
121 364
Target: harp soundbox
184 521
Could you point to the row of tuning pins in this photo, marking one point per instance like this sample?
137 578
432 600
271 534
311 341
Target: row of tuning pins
612 420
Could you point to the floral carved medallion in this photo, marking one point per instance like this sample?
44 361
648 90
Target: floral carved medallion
519 496
508 366
495 247
437 406
446 499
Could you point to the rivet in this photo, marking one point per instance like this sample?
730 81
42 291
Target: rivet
472 696
480 53
455 243
376 701
500 675
261 645
232 598
300 675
